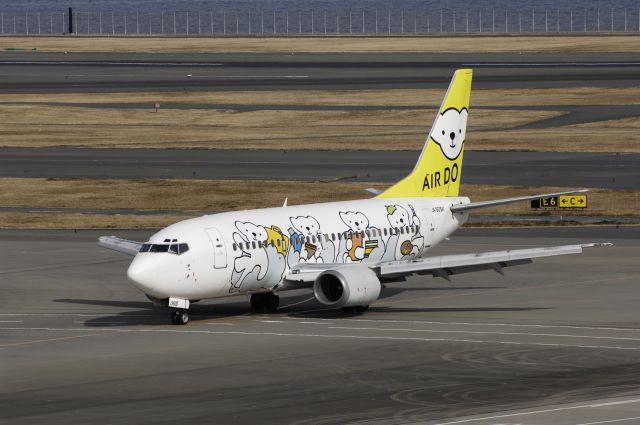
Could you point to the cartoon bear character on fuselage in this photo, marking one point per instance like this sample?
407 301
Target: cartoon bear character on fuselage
403 245
356 248
309 251
252 264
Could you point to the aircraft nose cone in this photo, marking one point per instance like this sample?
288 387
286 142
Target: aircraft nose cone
143 273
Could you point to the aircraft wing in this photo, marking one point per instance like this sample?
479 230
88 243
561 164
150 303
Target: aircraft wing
121 245
496 202
445 265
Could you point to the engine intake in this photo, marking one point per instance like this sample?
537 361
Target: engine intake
348 286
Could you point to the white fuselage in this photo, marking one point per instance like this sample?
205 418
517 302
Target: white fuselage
252 251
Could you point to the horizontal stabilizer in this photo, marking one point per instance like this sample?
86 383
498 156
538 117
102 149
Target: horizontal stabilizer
493 203
118 244
373 190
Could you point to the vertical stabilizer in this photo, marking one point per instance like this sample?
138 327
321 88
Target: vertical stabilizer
439 168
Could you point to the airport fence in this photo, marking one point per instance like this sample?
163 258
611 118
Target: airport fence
320 22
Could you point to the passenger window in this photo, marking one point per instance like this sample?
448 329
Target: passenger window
235 247
333 236
278 242
253 244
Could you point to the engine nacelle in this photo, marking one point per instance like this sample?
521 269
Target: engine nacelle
348 286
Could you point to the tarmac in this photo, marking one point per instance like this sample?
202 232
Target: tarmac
595 170
38 72
554 342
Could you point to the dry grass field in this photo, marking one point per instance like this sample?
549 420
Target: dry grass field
217 196
236 120
330 44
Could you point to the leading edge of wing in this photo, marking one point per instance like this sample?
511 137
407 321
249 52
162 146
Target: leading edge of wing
124 246
446 265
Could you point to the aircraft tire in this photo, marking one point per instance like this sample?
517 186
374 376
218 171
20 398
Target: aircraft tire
257 303
264 302
179 317
359 309
273 301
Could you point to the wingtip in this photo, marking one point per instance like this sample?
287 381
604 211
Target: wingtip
597 245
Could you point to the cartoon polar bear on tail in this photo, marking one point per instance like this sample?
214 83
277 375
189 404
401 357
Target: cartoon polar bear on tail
449 131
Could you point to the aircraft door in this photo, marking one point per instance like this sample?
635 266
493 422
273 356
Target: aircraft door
219 249
427 227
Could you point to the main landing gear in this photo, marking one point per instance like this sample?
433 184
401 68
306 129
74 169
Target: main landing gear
179 317
359 309
264 302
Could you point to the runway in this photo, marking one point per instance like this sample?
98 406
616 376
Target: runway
35 72
554 342
596 170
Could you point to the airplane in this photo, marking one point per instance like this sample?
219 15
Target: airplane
343 251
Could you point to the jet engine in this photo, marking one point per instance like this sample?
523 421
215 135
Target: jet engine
347 286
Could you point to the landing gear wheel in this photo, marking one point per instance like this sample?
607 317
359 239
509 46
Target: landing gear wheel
179 317
273 301
265 302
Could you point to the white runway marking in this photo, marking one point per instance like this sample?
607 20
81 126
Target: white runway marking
535 412
511 289
119 63
337 336
517 325
485 333
610 421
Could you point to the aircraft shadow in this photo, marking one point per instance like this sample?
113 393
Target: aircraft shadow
389 292
146 313
337 314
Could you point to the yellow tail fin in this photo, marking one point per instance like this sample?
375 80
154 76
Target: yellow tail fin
438 170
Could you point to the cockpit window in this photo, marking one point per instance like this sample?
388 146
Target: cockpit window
173 248
159 248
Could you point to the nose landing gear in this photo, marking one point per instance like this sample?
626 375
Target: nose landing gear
264 302
179 317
